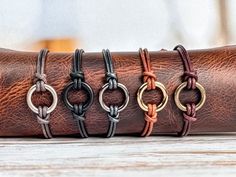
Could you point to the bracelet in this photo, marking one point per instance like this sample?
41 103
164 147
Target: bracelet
112 84
150 83
42 112
190 82
78 83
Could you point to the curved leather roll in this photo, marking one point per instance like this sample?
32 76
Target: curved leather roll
216 71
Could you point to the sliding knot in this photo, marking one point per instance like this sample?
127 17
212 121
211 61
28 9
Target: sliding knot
151 115
40 80
190 114
191 78
113 114
112 80
42 116
150 78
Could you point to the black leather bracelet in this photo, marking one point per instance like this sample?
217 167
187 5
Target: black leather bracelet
112 84
78 83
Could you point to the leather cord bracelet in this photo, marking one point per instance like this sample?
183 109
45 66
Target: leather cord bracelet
190 82
42 112
78 83
112 84
150 83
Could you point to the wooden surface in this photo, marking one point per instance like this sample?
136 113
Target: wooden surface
154 156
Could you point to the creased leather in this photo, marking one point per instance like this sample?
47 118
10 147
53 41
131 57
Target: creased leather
216 72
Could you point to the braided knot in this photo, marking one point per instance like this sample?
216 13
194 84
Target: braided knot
111 78
190 114
191 78
113 114
151 115
150 78
42 116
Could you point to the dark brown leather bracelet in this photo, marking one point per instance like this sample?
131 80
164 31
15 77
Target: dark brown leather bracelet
150 83
190 82
42 112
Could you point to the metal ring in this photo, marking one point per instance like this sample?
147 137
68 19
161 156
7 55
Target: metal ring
181 87
85 87
123 88
141 103
31 105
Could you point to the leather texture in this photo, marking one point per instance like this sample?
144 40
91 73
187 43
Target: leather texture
216 72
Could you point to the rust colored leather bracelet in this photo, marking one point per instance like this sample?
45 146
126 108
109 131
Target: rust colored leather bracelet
42 112
78 83
150 83
112 84
190 82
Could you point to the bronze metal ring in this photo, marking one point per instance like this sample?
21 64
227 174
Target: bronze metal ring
181 87
141 90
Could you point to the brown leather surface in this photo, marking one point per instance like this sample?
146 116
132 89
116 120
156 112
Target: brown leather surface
216 72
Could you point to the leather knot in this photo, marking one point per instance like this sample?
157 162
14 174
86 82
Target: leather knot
78 112
42 116
40 80
77 78
151 115
78 117
190 114
111 78
150 78
77 75
191 78
113 114
40 77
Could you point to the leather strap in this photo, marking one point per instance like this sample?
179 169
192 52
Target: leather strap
111 78
150 78
78 83
190 75
40 81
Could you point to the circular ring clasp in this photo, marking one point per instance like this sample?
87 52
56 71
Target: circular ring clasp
123 88
86 88
31 105
141 90
181 87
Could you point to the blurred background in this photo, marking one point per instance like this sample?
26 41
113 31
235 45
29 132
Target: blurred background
120 25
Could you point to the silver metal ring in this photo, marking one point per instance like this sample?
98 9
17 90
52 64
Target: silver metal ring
123 88
31 105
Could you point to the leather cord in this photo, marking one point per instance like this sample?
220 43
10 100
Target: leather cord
150 78
111 79
77 76
78 83
190 76
40 81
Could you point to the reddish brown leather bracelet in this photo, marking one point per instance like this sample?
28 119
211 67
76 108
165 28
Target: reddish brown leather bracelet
190 82
150 83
